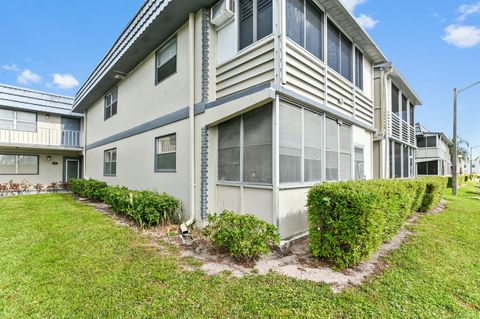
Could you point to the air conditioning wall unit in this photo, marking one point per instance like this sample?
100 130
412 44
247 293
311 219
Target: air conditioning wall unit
222 12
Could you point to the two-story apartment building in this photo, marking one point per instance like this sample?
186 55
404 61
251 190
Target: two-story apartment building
395 143
240 105
433 153
40 137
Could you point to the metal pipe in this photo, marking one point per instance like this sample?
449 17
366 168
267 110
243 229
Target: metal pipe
191 116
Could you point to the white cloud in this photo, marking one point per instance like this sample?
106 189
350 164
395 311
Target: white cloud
64 81
28 77
366 21
11 68
467 10
351 5
462 36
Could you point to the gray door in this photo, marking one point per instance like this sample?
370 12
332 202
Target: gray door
72 169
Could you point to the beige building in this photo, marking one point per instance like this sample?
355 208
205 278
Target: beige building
40 137
240 105
433 154
394 146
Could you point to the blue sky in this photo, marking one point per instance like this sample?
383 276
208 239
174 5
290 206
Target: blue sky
52 45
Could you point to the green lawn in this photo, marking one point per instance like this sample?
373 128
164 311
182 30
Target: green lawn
59 258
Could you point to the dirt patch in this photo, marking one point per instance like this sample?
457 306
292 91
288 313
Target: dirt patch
296 262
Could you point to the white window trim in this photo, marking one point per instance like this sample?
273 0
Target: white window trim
161 153
111 150
15 120
109 106
17 156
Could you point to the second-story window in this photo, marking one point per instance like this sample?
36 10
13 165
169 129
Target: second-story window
19 121
358 69
412 114
305 25
404 108
340 50
111 104
256 21
166 63
395 101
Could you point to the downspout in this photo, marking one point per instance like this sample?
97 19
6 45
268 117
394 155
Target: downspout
386 152
191 117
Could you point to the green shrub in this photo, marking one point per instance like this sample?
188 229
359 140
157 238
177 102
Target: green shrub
348 221
245 237
461 179
434 192
87 188
144 207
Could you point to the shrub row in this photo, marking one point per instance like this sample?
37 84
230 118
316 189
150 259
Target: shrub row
461 179
146 208
245 237
348 221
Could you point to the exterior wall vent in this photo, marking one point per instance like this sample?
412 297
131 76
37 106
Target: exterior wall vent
222 12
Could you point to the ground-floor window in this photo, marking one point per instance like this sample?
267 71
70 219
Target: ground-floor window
359 160
401 160
19 165
166 153
338 150
245 147
110 162
427 168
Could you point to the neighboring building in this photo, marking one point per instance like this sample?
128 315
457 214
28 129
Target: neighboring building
433 153
40 137
243 106
395 144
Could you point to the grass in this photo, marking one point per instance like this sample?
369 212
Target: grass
59 258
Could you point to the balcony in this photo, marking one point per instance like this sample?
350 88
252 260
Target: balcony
432 152
400 130
42 137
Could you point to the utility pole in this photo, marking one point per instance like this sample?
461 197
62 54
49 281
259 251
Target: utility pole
456 92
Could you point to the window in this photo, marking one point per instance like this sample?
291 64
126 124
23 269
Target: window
412 114
427 168
338 151
18 165
245 147
17 120
166 153
404 108
110 162
300 145
256 21
305 25
398 159
421 141
111 104
340 50
358 69
166 61
431 141
359 163
405 161
395 101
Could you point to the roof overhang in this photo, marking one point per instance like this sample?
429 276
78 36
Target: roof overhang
152 25
349 24
400 82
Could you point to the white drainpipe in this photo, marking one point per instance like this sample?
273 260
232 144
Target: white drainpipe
191 117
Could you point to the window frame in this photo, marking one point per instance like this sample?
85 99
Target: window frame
241 180
340 123
164 45
164 170
255 38
16 165
15 120
106 105
342 35
116 161
361 147
359 80
322 37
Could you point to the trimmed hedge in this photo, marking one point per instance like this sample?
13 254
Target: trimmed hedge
348 221
245 237
146 208
461 179
87 188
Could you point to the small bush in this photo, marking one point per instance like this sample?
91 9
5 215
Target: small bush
143 207
88 188
348 221
245 237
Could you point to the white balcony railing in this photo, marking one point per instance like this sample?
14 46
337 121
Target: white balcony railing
400 130
42 136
